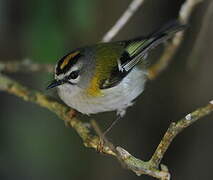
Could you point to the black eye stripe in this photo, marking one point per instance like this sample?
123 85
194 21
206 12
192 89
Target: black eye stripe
71 83
67 67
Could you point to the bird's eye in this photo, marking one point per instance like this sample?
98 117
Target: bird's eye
74 75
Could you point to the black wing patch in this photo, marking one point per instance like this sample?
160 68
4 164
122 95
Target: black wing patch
117 74
131 49
115 78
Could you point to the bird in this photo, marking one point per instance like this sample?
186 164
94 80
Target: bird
108 76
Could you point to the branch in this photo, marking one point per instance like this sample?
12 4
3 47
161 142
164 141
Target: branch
25 66
62 111
89 140
171 49
125 17
175 128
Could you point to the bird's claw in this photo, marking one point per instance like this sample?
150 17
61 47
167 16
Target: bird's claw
71 114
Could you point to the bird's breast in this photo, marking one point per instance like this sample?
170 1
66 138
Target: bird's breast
116 98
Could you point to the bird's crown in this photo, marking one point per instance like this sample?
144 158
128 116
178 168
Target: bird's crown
67 62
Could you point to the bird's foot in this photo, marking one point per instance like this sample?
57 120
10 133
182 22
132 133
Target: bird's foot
100 146
105 145
71 113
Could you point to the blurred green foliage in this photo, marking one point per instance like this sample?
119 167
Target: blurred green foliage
49 25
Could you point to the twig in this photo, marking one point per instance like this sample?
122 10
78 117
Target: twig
186 10
171 49
134 164
25 66
125 17
128 161
198 44
176 128
141 167
151 167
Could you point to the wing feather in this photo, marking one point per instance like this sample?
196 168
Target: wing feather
136 51
139 47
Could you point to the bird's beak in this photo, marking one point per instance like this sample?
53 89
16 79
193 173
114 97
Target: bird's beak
55 83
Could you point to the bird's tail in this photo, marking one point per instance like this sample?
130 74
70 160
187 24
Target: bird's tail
138 48
166 32
170 28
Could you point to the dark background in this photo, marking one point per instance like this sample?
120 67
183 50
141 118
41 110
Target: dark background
35 144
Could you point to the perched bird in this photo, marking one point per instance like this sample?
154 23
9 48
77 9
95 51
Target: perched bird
107 76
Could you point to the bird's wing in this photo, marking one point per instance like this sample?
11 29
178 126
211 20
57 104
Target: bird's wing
129 50
136 50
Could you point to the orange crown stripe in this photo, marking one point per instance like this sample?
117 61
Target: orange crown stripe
68 58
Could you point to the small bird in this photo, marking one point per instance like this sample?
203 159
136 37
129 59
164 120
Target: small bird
107 76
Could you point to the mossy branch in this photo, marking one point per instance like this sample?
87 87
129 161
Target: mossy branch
62 111
89 140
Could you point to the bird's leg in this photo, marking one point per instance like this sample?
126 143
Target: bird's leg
111 126
103 140
102 135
